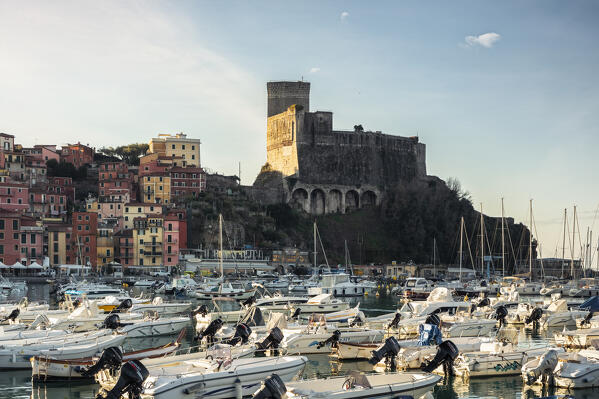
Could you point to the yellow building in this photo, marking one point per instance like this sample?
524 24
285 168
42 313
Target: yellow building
156 189
104 246
177 145
147 241
59 244
134 210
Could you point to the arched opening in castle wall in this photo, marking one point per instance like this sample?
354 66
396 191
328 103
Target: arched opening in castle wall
334 202
368 199
299 199
352 201
317 202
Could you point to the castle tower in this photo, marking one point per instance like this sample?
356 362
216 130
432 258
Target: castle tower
282 95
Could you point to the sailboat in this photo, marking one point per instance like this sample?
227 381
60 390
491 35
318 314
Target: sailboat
223 289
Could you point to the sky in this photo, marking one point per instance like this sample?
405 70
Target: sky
504 94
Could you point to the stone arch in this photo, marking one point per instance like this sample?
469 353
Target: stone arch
352 200
317 202
368 199
299 197
334 201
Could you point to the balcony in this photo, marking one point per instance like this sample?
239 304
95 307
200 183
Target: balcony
148 253
170 242
152 244
127 245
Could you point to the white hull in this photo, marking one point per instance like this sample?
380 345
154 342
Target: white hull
306 343
163 309
153 328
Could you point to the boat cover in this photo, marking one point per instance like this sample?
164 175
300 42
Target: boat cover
253 317
591 304
429 334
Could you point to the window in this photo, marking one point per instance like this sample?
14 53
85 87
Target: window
193 147
173 146
2 225
15 236
183 146
15 224
23 238
55 247
86 227
87 218
79 227
32 239
78 217
153 260
55 259
193 156
1 249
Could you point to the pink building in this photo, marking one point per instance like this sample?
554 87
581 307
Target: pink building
175 236
14 197
186 182
10 229
63 185
46 203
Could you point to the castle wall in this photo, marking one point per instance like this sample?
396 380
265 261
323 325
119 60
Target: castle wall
282 95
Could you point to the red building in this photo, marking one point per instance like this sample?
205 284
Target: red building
175 236
186 182
77 154
14 197
44 201
116 182
10 229
63 185
85 228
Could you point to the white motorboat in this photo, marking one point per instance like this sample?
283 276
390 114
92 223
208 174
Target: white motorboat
222 289
570 370
154 327
576 339
339 285
584 288
18 354
302 286
45 368
522 286
495 359
557 314
279 284
159 306
358 386
320 339
217 379
322 303
94 291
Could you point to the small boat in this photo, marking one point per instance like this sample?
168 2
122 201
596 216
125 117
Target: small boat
45 368
358 386
322 303
566 370
216 379
576 339
319 339
153 326
222 289
159 306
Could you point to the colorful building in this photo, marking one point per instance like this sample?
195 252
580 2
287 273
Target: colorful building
60 249
148 234
10 229
175 236
105 245
187 182
14 197
77 154
134 210
156 188
31 241
85 227
177 145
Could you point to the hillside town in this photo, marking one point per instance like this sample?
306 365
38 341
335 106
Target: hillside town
136 218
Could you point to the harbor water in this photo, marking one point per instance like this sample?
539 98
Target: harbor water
18 384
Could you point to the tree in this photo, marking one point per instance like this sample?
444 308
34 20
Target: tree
130 154
65 169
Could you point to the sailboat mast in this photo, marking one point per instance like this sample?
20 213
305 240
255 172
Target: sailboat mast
482 242
564 241
461 244
572 271
315 265
530 243
434 258
502 240
220 244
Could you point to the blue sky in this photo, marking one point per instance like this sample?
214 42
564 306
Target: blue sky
504 94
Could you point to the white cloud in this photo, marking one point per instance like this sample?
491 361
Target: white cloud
486 39
314 70
344 15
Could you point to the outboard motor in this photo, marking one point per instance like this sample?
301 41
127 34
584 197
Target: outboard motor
250 301
500 314
272 388
242 334
433 319
13 315
534 317
545 366
202 310
484 302
112 322
111 359
126 304
272 341
446 354
296 314
332 340
387 351
133 374
587 319
357 320
76 303
395 322
210 331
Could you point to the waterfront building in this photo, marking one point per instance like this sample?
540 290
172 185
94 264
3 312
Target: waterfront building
85 227
60 249
148 234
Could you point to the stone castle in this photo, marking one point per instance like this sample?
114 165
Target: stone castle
325 170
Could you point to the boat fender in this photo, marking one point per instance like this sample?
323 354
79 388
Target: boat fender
273 339
133 374
447 352
111 359
272 388
332 340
